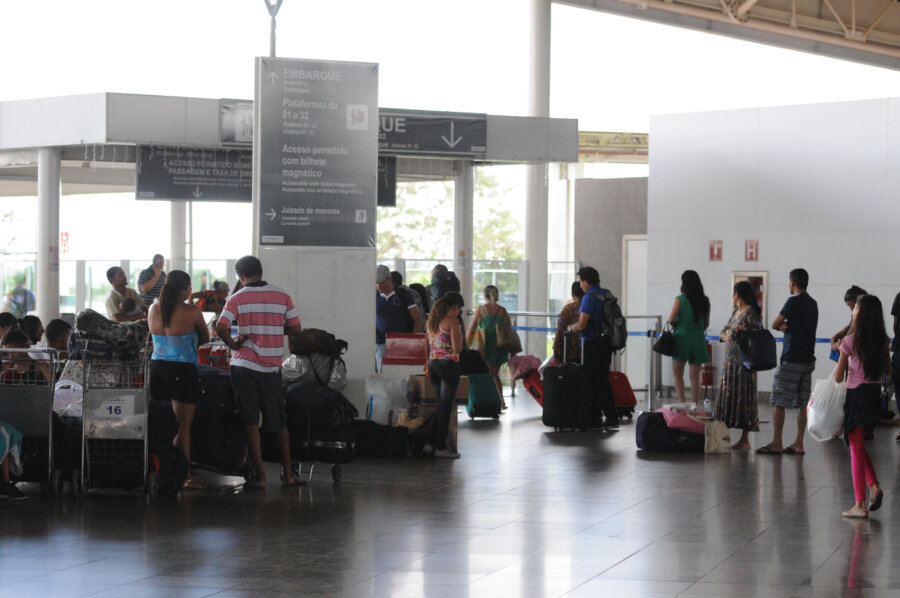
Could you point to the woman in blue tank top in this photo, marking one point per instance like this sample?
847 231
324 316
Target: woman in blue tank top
177 329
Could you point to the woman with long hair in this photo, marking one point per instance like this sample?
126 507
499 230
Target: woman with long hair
736 403
690 318
445 341
178 329
864 361
486 318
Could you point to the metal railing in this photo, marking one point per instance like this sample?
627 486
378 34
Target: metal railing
653 386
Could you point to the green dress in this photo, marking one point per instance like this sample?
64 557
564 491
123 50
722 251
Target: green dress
690 337
492 353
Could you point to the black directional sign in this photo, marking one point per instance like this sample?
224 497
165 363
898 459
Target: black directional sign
317 149
419 133
193 174
387 182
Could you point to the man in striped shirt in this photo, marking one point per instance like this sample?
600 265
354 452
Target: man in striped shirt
264 314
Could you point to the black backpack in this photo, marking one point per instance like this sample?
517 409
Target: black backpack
614 325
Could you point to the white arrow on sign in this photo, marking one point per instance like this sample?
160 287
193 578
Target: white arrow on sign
453 143
272 77
197 193
271 214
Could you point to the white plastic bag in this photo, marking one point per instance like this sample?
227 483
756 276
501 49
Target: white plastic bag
388 398
825 410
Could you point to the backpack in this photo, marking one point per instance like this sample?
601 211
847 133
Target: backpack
313 340
613 321
417 300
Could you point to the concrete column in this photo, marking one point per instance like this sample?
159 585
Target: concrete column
464 227
536 189
47 267
178 240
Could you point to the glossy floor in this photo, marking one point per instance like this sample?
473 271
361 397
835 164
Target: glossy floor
525 512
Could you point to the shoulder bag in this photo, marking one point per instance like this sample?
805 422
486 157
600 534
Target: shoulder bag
665 344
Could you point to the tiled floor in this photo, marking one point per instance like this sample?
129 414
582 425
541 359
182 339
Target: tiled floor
525 512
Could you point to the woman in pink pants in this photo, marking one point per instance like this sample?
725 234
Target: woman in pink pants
865 361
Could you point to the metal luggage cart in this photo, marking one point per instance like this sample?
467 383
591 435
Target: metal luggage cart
26 403
114 452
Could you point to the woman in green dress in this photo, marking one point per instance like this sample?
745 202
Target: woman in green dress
736 404
690 318
486 318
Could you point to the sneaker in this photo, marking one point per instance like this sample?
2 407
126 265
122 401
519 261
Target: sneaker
10 492
611 423
445 454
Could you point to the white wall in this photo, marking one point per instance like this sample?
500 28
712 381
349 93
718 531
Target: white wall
817 185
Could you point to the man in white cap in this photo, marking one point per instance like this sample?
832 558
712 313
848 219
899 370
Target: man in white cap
395 311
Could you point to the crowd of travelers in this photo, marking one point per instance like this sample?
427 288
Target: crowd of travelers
264 314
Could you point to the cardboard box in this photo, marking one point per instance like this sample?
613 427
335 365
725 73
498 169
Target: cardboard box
420 390
424 410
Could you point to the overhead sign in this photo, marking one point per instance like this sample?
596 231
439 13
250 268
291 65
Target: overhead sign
317 146
445 134
387 182
193 174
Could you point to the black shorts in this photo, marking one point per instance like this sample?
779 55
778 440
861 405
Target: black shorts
174 381
259 393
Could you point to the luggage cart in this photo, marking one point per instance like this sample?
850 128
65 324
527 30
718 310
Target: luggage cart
26 403
114 426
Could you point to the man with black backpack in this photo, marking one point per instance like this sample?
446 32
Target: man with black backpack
600 331
395 311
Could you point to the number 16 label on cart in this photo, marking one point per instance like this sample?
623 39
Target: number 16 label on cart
122 406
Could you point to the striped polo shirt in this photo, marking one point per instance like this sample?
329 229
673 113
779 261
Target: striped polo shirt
261 311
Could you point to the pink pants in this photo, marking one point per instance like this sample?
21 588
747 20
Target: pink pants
860 463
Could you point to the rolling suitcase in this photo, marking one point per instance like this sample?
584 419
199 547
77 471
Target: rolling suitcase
535 386
218 440
623 395
567 395
484 401
652 434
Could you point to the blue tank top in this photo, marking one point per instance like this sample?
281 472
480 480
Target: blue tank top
181 348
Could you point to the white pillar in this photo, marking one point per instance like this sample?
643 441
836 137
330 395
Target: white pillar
464 227
178 240
537 194
47 267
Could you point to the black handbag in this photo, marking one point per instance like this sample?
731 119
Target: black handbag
758 351
665 344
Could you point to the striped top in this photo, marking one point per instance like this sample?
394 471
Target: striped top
153 294
262 311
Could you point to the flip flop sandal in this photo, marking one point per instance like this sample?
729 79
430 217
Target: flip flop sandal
765 450
792 451
194 484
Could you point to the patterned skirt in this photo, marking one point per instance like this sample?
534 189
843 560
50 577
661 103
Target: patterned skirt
736 403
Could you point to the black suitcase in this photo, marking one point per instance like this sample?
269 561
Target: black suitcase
320 425
652 434
377 440
567 395
218 440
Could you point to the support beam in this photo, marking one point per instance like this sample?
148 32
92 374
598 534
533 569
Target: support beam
178 240
47 267
536 189
463 228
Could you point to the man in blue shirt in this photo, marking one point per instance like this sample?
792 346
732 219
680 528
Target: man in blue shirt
395 311
597 351
791 388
